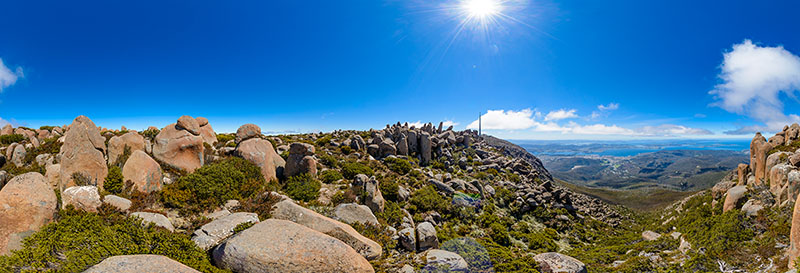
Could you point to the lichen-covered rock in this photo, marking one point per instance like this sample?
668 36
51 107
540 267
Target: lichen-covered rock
553 262
426 236
81 197
26 204
408 238
143 172
140 264
283 246
288 210
179 148
354 213
211 234
117 144
83 152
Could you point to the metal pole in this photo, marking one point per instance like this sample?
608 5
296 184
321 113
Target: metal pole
479 124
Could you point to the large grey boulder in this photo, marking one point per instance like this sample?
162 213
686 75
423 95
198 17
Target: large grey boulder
140 264
354 213
438 260
553 262
18 155
734 198
426 236
209 235
408 238
288 210
300 160
283 246
26 204
120 203
425 147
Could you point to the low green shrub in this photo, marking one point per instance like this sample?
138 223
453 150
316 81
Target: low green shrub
113 182
428 199
389 188
302 187
343 197
346 150
8 139
328 160
330 176
80 239
212 185
150 133
351 169
398 165
225 137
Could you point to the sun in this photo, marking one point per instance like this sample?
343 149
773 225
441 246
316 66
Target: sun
481 9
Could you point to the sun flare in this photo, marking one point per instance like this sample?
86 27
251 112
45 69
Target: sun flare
481 9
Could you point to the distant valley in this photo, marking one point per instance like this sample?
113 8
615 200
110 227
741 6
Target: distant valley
673 165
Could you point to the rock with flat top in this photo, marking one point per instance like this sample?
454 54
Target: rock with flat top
553 262
140 264
211 234
84 198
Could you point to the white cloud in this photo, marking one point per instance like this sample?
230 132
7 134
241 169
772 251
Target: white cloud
610 107
699 115
505 120
416 124
448 123
8 77
753 77
560 114
672 130
3 122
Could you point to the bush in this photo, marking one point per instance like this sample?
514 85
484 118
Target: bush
473 253
398 165
392 213
321 142
500 234
302 187
389 189
328 160
113 181
212 185
343 197
427 199
150 133
260 204
330 176
8 139
81 179
351 169
225 137
346 150
80 239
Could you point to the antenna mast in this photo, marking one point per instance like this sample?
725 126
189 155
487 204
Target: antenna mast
479 124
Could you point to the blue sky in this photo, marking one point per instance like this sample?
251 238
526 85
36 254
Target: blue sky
535 69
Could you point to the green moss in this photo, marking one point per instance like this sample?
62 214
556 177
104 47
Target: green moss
242 227
80 239
351 169
302 187
211 185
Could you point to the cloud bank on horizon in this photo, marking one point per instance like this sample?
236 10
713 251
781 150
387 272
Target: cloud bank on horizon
754 81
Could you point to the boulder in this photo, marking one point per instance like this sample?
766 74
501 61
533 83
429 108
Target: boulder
247 131
426 236
649 235
7 130
179 148
553 262
288 210
140 264
83 152
118 202
438 260
117 144
18 155
759 147
26 204
402 146
143 172
2 160
260 152
425 148
387 148
752 207
211 234
201 121
734 198
779 182
53 175
775 159
208 134
354 213
408 238
81 197
742 170
283 246
794 235
357 143
189 124
155 218
374 150
300 160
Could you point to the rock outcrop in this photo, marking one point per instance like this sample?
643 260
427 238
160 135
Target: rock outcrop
143 172
553 262
260 152
117 144
283 246
301 160
211 234
83 153
82 197
288 210
179 148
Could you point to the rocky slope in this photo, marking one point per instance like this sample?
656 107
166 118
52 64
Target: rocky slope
184 198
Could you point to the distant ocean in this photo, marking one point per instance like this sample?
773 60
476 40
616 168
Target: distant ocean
626 148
